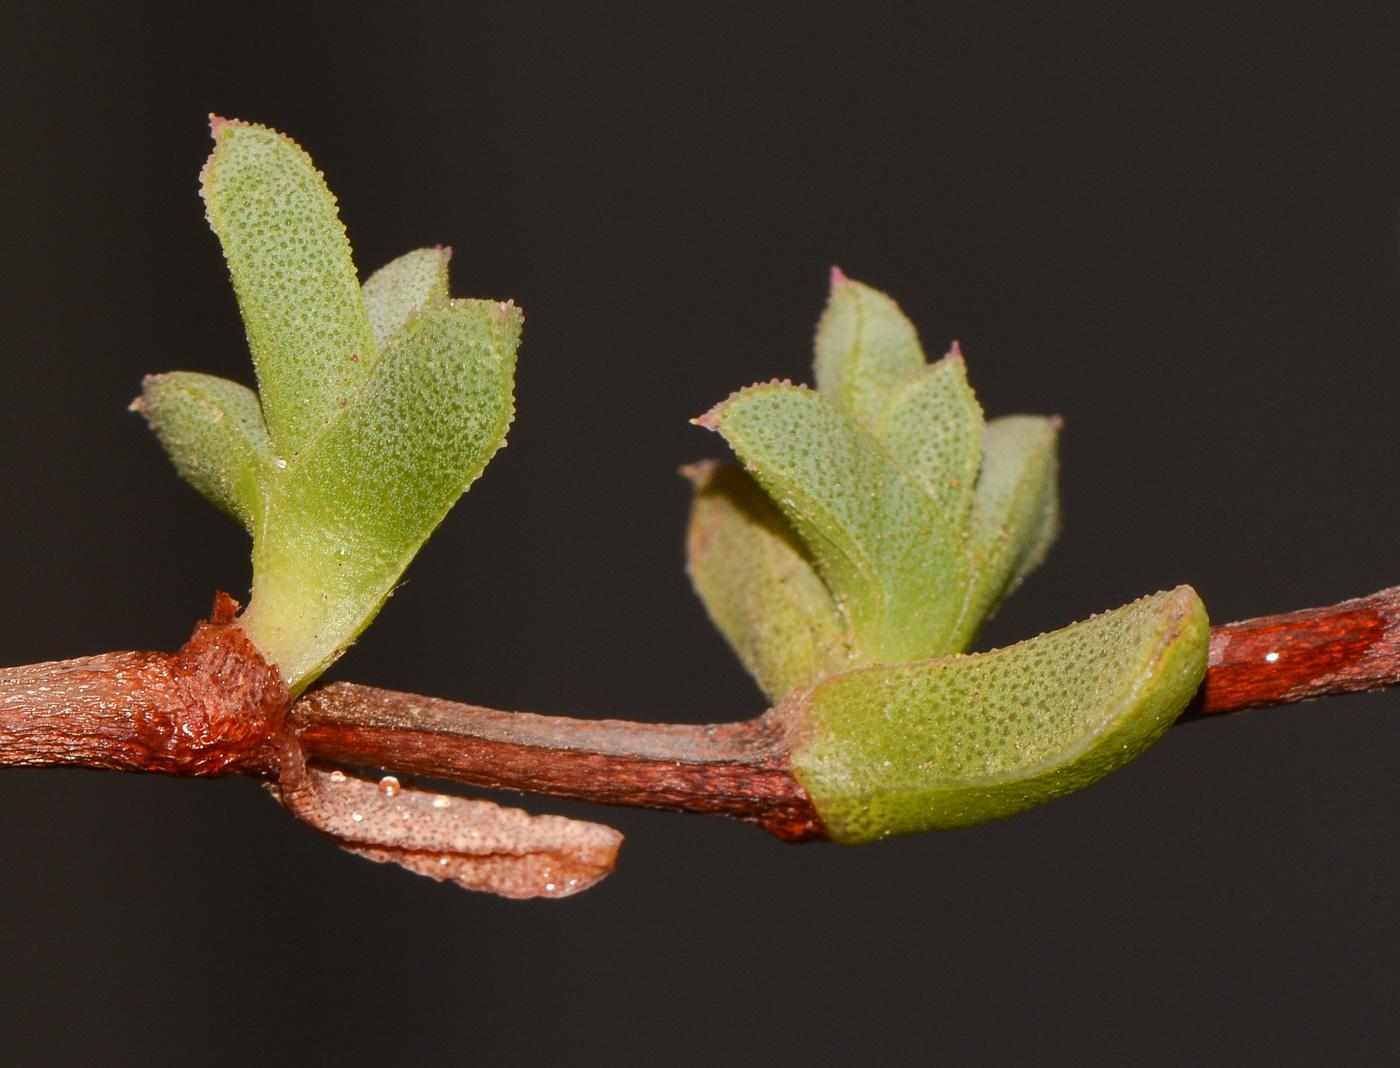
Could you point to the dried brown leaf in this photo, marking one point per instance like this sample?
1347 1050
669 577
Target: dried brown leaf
475 844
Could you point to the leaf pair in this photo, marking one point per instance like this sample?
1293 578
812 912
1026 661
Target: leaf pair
377 406
898 519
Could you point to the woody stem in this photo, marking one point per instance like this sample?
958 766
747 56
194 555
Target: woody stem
215 708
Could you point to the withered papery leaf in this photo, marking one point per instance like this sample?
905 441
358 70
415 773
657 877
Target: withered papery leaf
475 844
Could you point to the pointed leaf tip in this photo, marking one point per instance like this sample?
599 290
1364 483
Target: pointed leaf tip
837 275
710 420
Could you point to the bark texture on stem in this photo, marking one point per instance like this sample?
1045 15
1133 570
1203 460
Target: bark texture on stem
730 769
1299 656
210 709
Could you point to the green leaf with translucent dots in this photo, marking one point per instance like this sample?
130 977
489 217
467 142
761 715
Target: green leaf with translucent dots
1015 511
297 289
212 430
758 585
347 516
883 549
865 348
402 286
932 425
949 743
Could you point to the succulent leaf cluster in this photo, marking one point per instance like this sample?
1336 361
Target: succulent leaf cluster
896 519
877 523
377 405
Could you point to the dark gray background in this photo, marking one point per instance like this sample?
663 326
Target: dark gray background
1179 230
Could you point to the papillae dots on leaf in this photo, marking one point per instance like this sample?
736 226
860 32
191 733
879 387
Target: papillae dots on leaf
414 280
878 539
291 267
932 426
759 584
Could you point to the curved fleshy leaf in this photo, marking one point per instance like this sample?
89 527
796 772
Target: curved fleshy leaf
297 289
402 286
1016 511
881 545
760 589
954 742
865 348
932 425
212 430
353 510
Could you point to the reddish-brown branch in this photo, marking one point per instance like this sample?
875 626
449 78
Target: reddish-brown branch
210 709
215 707
729 769
1299 656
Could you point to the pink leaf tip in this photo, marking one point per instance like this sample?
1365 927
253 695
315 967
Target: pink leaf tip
710 420
218 122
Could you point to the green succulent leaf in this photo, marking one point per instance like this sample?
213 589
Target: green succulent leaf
213 431
932 425
882 547
1015 514
865 348
402 286
354 508
959 741
758 585
307 327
